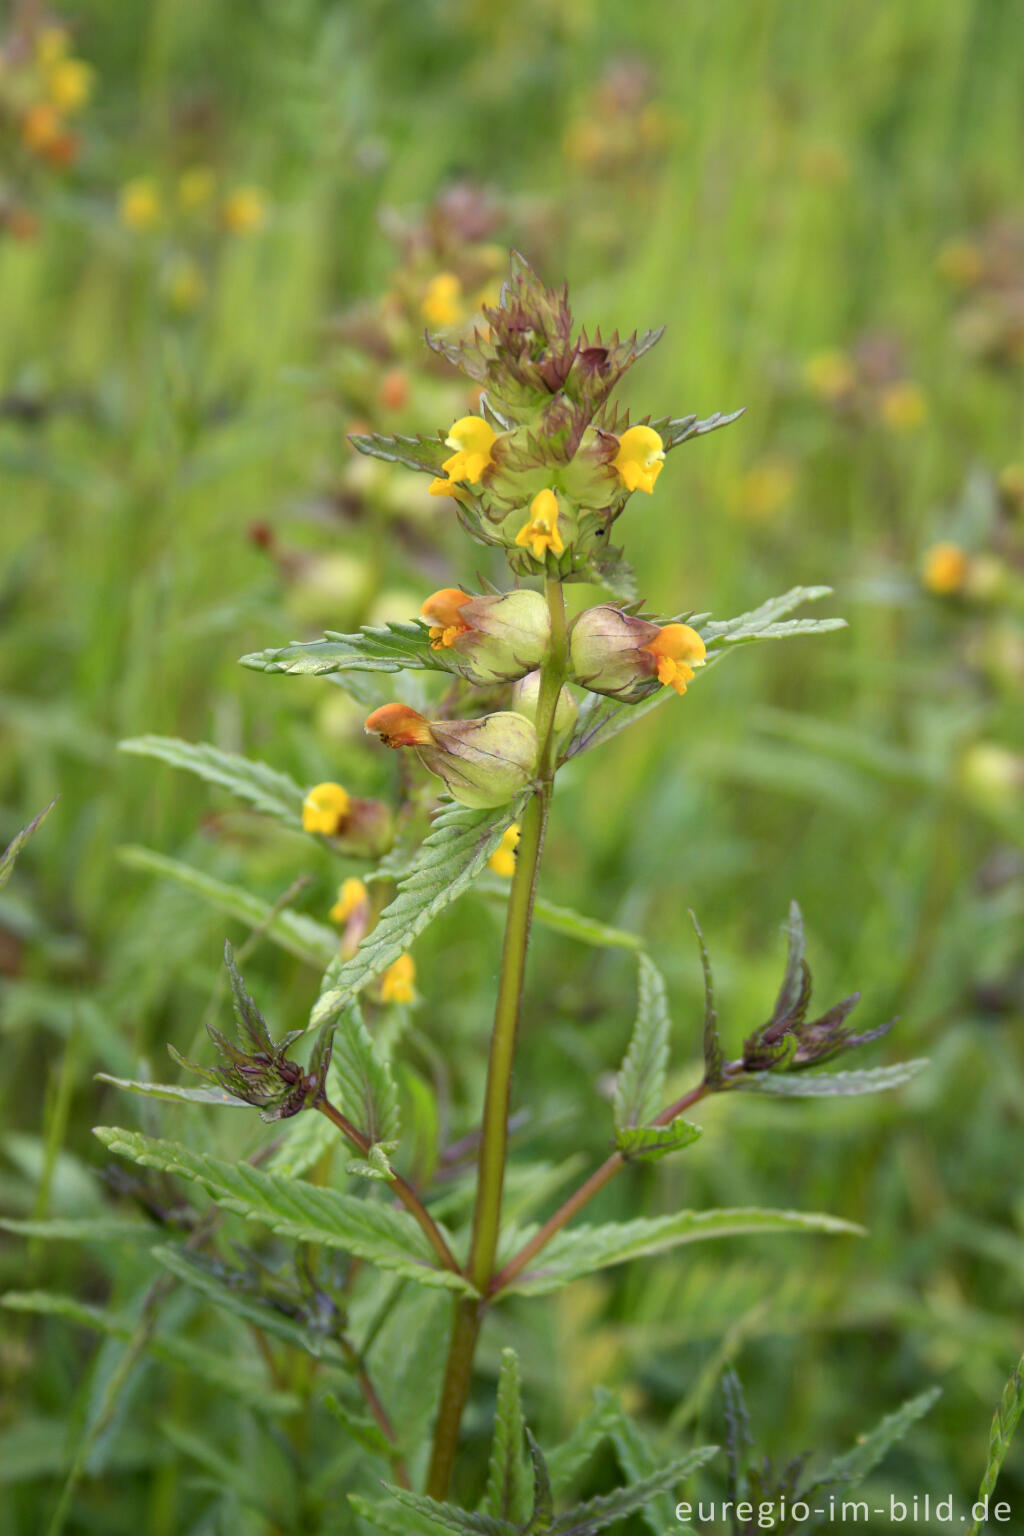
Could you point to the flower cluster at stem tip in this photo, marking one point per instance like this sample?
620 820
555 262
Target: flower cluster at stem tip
542 472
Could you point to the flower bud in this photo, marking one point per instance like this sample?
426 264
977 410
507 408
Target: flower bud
483 763
625 657
526 696
489 639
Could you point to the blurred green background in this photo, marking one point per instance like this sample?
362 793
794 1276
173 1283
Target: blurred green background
823 204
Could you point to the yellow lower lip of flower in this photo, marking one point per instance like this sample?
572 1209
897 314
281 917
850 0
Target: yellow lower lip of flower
351 897
677 649
398 983
639 458
324 809
540 532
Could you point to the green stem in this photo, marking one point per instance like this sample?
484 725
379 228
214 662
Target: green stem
494 1134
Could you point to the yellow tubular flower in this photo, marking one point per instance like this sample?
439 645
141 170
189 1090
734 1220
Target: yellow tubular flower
945 569
352 894
324 809
443 608
639 458
678 649
540 531
440 303
472 439
139 204
503 859
398 983
244 210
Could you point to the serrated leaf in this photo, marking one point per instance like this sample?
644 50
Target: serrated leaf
419 452
637 1460
795 991
818 1085
572 1254
359 1427
648 1143
607 1508
568 1460
714 1056
174 1093
264 788
375 1164
310 941
563 920
506 1495
640 1085
386 1237
855 1464
452 855
369 1097
226 1374
542 1514
393 1520
220 1286
449 1518
385 648
305 1140
763 623
9 857
1004 1422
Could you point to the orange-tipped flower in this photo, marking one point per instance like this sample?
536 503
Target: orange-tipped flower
484 763
614 653
490 639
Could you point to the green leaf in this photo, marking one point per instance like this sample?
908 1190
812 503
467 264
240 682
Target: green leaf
805 1085
573 1254
226 1374
543 1511
387 648
453 854
449 1518
173 1093
359 1427
1004 1422
266 790
222 1286
563 920
763 623
9 857
367 1089
640 1086
79 1229
310 941
714 1056
638 1459
506 1496
419 452
568 1460
386 1237
596 1514
869 1450
388 1516
648 1143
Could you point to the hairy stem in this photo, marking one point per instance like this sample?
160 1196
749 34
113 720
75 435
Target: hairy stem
494 1135
579 1198
405 1192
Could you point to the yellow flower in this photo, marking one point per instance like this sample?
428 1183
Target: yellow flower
196 188
398 983
244 210
69 83
503 859
472 438
960 263
540 531
903 406
945 569
829 375
444 608
678 649
639 458
352 895
324 809
440 303
139 204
